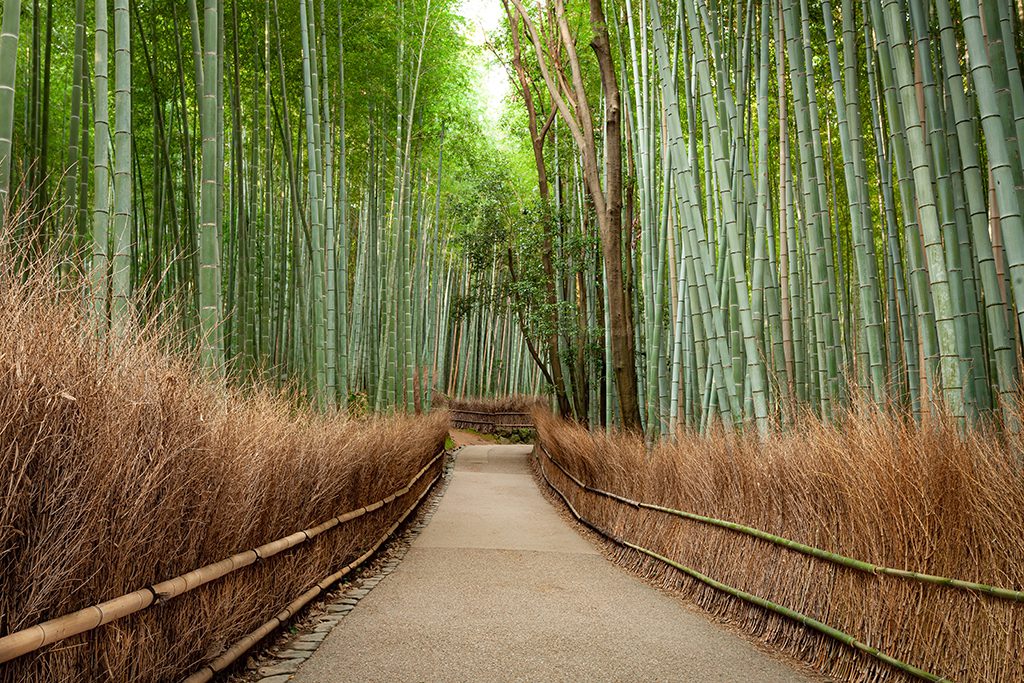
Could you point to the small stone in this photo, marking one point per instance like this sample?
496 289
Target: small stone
287 666
295 653
310 638
307 648
358 593
325 626
339 609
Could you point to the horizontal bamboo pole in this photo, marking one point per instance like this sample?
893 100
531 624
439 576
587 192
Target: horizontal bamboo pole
484 412
54 630
495 425
821 554
799 617
229 656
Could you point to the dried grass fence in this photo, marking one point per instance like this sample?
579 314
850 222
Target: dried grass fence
120 468
873 489
498 415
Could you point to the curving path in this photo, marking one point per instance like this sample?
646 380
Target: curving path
499 588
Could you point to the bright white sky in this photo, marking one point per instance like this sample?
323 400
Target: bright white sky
484 17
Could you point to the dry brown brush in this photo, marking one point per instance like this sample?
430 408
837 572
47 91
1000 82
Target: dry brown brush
871 487
494 415
119 468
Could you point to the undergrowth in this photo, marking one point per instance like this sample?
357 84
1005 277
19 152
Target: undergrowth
513 403
120 467
871 486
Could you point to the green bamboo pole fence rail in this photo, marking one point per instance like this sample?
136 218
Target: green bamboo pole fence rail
241 646
55 630
799 617
819 553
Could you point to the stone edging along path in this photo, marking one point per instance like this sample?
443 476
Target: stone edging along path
277 663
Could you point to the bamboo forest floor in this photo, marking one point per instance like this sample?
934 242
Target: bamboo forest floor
462 437
499 587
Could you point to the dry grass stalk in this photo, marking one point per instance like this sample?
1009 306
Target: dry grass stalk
119 468
873 488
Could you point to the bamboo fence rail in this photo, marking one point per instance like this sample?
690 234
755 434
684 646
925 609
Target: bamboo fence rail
55 630
821 554
491 421
799 617
230 655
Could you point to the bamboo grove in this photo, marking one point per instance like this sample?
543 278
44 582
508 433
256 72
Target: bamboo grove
822 204
271 178
696 212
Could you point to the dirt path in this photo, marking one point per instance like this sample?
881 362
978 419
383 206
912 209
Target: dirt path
499 588
462 437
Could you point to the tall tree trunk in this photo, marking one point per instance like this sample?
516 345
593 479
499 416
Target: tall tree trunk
610 220
607 201
538 136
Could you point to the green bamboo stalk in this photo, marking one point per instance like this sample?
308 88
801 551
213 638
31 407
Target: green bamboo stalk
967 137
101 193
1000 159
9 31
70 190
120 283
848 114
754 356
343 239
209 275
923 179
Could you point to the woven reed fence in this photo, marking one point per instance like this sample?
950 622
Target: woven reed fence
713 524
490 423
490 416
157 601
83 621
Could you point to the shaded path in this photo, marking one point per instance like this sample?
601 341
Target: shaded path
499 588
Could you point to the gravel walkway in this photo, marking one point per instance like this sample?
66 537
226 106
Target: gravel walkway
499 588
